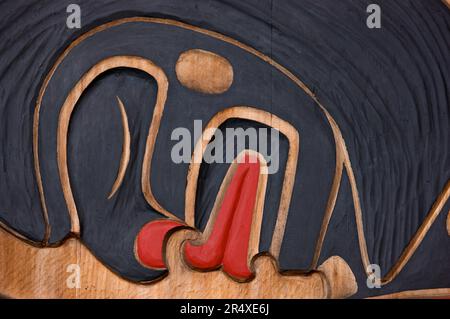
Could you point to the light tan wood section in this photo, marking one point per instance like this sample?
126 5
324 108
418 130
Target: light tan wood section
418 294
204 71
344 282
448 223
447 2
125 158
31 272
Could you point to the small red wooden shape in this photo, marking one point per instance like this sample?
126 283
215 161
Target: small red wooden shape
150 241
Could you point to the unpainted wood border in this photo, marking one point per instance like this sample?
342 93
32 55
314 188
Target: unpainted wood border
29 279
418 294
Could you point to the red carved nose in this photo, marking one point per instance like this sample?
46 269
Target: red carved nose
228 242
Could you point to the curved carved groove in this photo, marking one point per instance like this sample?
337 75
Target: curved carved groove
331 203
146 186
125 158
419 235
344 160
266 118
342 157
66 113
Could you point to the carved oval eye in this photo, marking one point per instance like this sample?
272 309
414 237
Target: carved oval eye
204 71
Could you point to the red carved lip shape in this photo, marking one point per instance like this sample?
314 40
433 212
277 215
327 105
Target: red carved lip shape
150 241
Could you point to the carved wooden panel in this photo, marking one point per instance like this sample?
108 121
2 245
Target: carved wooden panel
115 143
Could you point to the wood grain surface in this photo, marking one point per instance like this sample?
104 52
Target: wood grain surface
198 70
387 192
30 272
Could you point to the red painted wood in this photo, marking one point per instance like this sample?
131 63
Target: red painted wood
150 240
235 260
228 242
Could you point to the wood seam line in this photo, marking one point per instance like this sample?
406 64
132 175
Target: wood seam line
257 115
125 157
448 223
78 290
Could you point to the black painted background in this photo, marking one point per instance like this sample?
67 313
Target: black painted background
388 90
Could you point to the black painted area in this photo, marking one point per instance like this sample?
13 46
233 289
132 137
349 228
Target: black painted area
387 89
109 227
162 44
